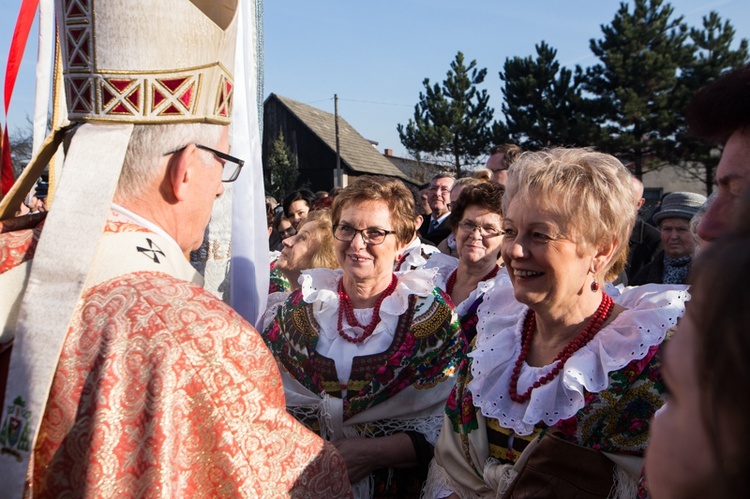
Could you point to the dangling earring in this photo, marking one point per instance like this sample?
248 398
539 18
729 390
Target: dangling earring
594 285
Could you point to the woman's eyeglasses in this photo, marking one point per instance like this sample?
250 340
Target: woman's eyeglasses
371 235
484 230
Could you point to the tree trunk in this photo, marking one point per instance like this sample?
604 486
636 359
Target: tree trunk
638 163
709 179
457 159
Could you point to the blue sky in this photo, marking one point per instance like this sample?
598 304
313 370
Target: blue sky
374 55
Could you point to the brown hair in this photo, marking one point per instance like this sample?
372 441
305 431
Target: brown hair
278 218
720 313
510 152
482 174
720 108
392 192
485 195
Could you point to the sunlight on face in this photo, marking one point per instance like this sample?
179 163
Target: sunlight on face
366 262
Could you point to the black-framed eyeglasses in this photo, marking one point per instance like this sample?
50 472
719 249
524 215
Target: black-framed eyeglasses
484 230
228 174
371 235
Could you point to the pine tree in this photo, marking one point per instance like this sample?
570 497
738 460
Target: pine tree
283 168
542 105
634 84
453 119
714 56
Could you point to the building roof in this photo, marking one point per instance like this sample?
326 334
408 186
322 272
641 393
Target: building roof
357 152
420 171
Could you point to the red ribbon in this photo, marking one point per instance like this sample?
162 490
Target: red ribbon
17 46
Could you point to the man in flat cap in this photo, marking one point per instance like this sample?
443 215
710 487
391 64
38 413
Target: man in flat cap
671 265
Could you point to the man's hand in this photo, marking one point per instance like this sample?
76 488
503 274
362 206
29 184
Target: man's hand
365 455
21 223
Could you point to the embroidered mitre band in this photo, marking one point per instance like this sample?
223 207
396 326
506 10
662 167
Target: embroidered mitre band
140 61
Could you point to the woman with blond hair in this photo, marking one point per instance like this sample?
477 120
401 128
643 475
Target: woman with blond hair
562 381
311 247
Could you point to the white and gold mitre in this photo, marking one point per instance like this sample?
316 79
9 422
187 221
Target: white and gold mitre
148 61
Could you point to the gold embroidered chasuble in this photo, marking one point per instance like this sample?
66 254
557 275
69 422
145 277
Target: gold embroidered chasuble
164 390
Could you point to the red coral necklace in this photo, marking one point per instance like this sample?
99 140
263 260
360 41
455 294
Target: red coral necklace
347 309
452 279
529 325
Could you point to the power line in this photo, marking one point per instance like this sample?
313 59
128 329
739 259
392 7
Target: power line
373 102
316 101
360 101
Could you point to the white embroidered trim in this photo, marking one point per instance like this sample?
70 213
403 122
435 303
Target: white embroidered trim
273 304
651 311
320 290
321 286
412 255
445 265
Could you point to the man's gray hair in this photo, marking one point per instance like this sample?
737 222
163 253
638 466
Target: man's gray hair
149 143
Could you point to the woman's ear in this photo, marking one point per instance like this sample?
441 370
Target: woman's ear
604 255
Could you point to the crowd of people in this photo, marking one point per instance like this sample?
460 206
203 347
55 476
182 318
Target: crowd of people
521 332
567 326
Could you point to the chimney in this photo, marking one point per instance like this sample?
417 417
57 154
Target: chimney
389 152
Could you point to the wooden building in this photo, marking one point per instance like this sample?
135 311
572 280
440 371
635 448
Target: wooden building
311 135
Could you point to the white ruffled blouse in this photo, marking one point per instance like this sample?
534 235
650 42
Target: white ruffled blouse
446 264
320 289
651 311
412 255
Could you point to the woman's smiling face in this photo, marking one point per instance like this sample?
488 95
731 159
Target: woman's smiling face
367 262
474 248
546 265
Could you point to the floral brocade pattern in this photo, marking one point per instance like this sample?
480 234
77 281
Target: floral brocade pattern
162 390
18 247
614 420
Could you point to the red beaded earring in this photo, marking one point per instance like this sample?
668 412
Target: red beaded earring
594 286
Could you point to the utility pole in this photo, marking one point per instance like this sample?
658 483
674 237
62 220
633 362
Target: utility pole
339 180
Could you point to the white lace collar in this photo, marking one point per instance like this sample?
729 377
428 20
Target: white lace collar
320 290
445 265
651 310
411 256
320 287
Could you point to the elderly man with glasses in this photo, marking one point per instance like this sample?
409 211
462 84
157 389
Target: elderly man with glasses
127 377
436 226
